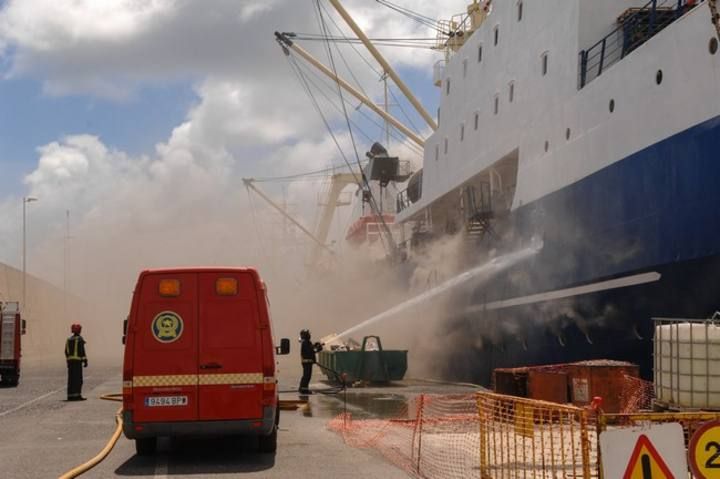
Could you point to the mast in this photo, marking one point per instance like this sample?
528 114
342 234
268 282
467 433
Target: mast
386 66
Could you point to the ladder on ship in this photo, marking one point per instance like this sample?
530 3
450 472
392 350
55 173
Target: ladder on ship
478 210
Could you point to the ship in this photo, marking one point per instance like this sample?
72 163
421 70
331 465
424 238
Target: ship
594 127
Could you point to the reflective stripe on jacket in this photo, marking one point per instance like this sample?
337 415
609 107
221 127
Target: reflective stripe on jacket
75 349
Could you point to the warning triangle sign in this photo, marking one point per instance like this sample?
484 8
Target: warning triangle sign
646 463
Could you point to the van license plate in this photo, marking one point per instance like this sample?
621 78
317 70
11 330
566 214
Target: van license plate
165 401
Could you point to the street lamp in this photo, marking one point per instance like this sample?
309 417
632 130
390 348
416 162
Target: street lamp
26 200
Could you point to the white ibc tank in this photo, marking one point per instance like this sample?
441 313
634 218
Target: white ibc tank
687 364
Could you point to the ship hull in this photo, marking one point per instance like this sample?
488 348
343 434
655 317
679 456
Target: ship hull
636 240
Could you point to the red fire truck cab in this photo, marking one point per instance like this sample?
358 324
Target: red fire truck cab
199 357
12 327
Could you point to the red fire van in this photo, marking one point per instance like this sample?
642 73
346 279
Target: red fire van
199 357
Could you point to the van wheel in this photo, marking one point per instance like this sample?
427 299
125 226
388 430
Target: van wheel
145 446
10 380
268 444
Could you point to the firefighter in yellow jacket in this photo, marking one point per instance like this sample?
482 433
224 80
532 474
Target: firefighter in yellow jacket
76 360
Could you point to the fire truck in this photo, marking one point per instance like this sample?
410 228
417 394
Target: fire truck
12 327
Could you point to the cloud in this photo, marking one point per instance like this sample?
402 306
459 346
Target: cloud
110 47
184 201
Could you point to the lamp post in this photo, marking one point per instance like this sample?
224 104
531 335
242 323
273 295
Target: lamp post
26 200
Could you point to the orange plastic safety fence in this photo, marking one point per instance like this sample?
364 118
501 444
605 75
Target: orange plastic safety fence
637 395
432 437
482 435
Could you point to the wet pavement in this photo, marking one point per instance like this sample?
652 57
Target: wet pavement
42 435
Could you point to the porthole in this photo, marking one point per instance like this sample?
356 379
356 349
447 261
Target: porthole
612 106
567 134
547 146
713 46
659 77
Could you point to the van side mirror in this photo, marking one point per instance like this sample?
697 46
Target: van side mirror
284 347
23 325
125 324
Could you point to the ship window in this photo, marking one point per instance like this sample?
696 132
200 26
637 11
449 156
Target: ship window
477 120
567 134
547 146
462 132
446 146
437 152
519 11
544 59
497 104
612 105
659 77
479 53
447 86
497 34
511 92
464 68
713 46
438 116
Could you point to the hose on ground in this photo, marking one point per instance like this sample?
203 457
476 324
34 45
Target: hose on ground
85 467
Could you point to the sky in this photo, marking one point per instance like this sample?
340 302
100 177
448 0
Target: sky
140 116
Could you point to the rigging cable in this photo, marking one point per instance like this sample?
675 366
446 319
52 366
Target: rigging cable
368 117
420 43
366 183
258 249
381 74
306 87
422 19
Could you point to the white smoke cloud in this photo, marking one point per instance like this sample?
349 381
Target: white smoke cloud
184 202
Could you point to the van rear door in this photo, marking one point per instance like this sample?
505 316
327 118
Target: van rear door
230 352
166 349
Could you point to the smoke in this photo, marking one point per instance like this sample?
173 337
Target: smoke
105 214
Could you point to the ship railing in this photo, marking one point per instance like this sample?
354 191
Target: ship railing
636 26
402 201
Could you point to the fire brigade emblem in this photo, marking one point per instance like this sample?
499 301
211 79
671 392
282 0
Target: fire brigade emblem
167 327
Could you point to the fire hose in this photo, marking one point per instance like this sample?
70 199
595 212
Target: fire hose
340 378
86 466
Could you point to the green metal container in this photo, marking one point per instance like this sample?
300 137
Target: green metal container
376 366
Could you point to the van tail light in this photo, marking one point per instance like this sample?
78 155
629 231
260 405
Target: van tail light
269 390
127 393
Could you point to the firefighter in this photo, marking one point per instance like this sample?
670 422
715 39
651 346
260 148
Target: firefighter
76 360
307 354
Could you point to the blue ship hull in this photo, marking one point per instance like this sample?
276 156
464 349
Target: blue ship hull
657 211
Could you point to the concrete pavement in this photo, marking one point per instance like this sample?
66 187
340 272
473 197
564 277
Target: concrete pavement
42 436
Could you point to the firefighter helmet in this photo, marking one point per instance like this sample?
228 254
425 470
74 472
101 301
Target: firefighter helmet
75 329
305 334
